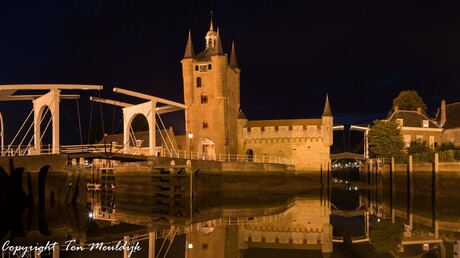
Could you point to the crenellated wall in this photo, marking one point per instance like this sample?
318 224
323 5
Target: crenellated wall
304 142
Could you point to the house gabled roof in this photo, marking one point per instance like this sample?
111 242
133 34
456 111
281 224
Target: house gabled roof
412 119
452 116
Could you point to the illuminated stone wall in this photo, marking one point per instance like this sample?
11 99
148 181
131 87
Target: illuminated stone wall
307 147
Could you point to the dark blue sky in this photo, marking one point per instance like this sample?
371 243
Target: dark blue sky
292 53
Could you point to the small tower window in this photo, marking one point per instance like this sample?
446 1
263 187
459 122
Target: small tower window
204 98
203 68
196 67
205 124
209 66
198 81
209 42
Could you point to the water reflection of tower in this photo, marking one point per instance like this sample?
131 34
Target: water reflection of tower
302 224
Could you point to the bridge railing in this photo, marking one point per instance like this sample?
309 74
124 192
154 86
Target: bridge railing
111 148
23 150
229 157
103 148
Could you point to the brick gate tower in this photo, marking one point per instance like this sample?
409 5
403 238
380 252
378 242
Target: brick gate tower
212 95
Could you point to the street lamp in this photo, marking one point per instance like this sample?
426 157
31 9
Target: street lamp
190 136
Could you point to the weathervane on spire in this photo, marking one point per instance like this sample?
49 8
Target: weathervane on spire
211 28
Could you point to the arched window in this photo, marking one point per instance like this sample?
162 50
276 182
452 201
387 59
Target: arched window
196 67
205 124
198 81
209 42
204 98
209 66
250 155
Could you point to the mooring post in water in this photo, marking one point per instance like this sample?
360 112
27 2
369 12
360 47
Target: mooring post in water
125 250
321 174
152 237
56 251
172 169
369 168
392 189
190 172
377 171
436 163
409 190
433 189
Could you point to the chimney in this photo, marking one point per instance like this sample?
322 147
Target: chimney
419 110
443 112
396 109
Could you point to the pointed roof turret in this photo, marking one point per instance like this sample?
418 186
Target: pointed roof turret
219 50
241 115
233 62
189 52
327 108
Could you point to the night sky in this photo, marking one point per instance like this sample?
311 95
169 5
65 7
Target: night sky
291 53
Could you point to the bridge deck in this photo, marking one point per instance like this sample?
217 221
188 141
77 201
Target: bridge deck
108 155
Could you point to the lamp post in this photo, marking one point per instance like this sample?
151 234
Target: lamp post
190 136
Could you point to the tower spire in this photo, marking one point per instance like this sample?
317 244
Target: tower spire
211 27
189 52
327 108
219 49
233 62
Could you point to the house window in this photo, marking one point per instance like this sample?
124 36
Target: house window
249 129
196 67
198 81
276 128
431 141
262 129
203 68
290 128
407 140
400 121
205 124
209 66
425 123
204 98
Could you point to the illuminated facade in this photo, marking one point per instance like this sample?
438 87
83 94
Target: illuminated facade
212 94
